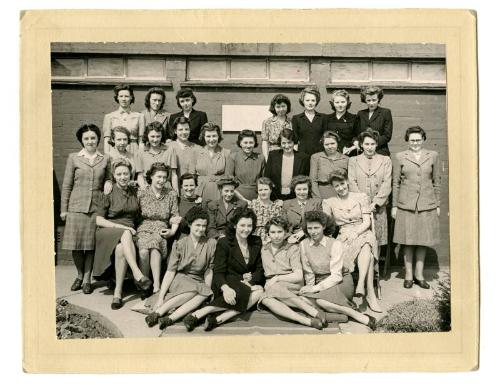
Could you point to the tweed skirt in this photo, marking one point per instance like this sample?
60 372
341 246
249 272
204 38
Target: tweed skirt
381 227
79 231
416 228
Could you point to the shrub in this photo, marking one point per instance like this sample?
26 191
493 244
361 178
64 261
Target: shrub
411 316
442 298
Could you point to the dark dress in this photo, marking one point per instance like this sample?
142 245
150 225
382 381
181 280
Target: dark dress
274 167
344 127
122 207
229 267
308 134
381 121
196 120
184 206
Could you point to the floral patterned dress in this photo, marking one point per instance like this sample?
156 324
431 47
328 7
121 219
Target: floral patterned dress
265 212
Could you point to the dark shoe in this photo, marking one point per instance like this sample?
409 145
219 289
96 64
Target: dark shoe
210 323
87 288
152 319
165 322
146 293
117 303
111 284
77 285
144 283
316 323
336 317
190 322
422 283
372 322
321 316
407 284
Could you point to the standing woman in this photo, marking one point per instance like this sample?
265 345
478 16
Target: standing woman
272 127
371 173
84 177
342 122
416 197
186 100
181 147
158 207
325 163
119 141
210 162
154 101
285 163
375 117
309 126
246 165
124 116
238 273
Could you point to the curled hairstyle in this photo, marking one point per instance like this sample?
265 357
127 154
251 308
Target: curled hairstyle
370 133
188 176
415 129
310 90
301 179
185 93
124 86
210 127
278 99
329 134
179 120
266 181
88 128
121 162
157 167
246 133
240 213
314 216
154 90
195 213
371 90
341 93
277 221
288 134
338 176
118 129
154 126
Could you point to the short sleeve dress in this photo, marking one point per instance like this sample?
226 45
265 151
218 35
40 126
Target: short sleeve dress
209 170
271 131
265 212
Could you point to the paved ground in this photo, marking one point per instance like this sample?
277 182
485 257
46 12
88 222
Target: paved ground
132 324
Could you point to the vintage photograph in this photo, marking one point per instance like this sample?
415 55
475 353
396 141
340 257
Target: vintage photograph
250 189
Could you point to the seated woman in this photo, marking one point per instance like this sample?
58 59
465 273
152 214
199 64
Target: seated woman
352 213
238 273
220 211
284 164
264 207
327 284
119 141
284 278
116 219
272 127
186 284
188 199
158 205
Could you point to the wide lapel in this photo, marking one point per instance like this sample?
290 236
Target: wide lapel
222 209
376 163
426 155
410 157
98 160
237 254
231 206
363 164
162 116
194 118
254 251
374 115
295 207
278 164
297 161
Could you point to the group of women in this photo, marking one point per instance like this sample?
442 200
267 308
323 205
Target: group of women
228 230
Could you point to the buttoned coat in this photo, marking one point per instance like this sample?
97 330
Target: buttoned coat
219 216
416 184
295 215
381 121
196 120
274 167
307 134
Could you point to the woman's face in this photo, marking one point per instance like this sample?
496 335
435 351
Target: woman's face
315 231
227 192
330 145
159 179
302 191
198 228
281 109
186 104
277 234
188 188
183 131
264 191
121 141
90 141
341 188
369 146
124 98
372 101
340 104
154 138
122 176
155 101
286 145
415 141
211 138
244 227
309 101
247 144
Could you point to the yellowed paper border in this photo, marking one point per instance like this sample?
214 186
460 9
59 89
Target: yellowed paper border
453 351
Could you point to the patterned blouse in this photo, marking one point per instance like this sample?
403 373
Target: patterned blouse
265 212
271 131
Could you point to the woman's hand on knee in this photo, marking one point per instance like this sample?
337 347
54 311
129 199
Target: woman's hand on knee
229 295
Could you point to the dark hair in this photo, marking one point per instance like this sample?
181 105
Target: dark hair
153 126
177 121
227 180
120 162
277 221
301 179
415 129
157 167
209 127
341 93
195 213
188 176
154 90
185 93
370 90
246 133
88 128
277 99
370 133
329 134
124 86
314 216
288 134
310 90
118 129
266 181
240 213
338 175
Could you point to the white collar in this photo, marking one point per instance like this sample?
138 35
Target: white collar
322 242
86 154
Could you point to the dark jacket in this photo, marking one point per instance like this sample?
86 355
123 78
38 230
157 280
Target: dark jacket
381 121
344 127
218 216
275 163
196 120
307 134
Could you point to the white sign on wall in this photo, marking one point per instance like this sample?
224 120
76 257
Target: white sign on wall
235 118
